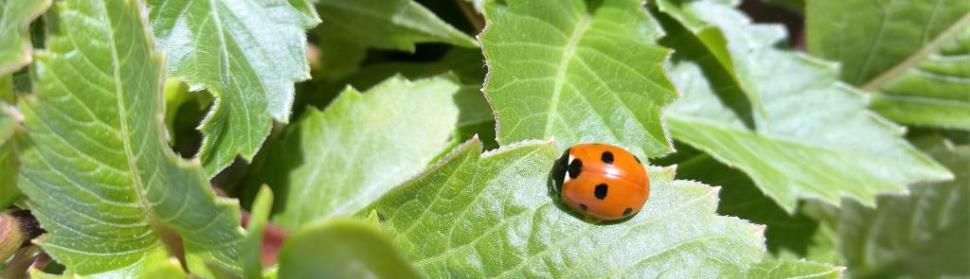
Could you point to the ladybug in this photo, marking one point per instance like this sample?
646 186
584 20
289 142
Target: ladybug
603 182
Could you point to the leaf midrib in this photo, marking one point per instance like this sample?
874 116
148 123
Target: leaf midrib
133 169
918 56
569 51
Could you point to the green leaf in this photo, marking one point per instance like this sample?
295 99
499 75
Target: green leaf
98 173
797 151
922 235
578 72
494 215
934 93
8 146
15 18
251 251
866 35
335 162
245 53
342 248
911 54
790 269
741 198
353 26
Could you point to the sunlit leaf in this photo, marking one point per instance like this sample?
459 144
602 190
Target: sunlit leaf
778 269
493 215
813 139
337 161
577 71
97 170
15 18
247 54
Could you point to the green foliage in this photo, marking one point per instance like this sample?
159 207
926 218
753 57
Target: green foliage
474 212
922 235
352 155
354 26
424 143
251 250
792 269
857 156
343 249
15 17
578 72
8 152
910 54
97 171
245 53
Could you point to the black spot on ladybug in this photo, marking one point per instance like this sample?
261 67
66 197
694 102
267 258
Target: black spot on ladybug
583 207
600 191
627 211
574 168
607 157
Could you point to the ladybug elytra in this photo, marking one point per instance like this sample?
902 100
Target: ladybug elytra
603 182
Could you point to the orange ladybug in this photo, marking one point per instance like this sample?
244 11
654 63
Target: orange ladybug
603 182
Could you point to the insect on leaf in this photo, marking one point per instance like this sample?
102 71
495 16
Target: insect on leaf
493 215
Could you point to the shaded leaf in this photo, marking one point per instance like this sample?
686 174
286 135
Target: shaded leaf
922 235
353 26
15 18
247 54
577 72
934 93
911 53
493 215
342 249
335 162
798 150
98 173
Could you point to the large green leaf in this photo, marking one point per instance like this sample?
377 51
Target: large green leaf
494 215
15 18
247 54
353 26
337 161
343 249
98 173
577 71
911 53
923 235
813 136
